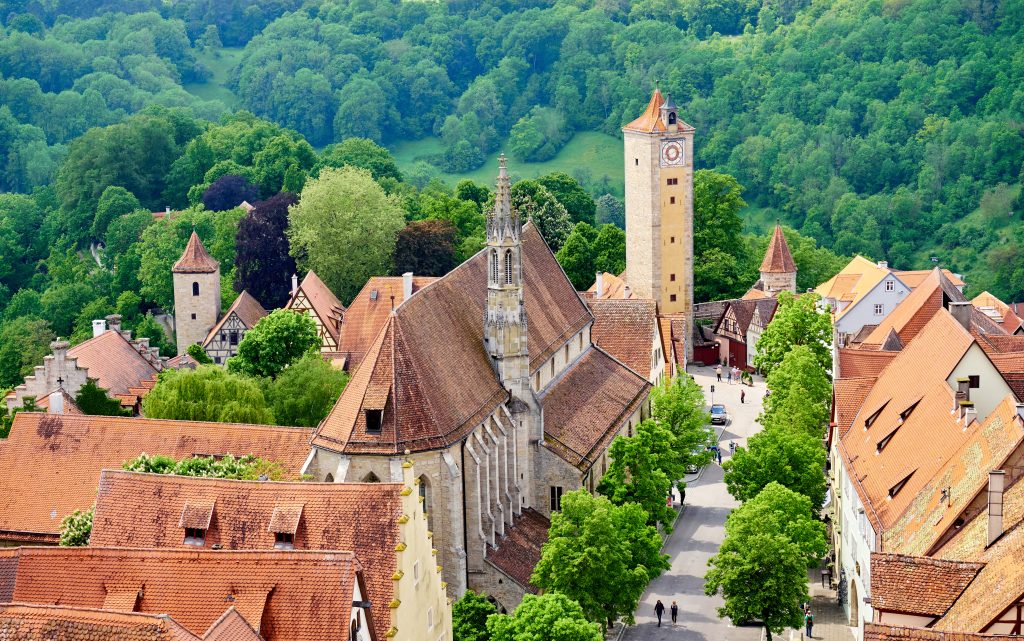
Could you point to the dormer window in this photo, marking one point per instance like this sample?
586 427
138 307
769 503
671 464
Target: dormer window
284 523
374 419
284 541
905 414
895 489
871 419
195 536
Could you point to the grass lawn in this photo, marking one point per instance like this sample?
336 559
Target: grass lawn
220 64
589 153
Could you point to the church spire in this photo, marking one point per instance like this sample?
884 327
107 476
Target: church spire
502 222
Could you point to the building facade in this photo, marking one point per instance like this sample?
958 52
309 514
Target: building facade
222 341
196 278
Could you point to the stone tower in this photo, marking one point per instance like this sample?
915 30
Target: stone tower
659 208
778 271
505 320
196 294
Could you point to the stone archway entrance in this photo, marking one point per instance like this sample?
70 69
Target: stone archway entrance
854 605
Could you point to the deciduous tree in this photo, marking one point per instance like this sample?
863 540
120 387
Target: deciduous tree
642 471
263 264
245 468
801 374
303 394
545 617
427 248
364 154
228 192
576 259
574 198
345 208
114 202
24 342
794 459
534 202
469 617
76 528
207 393
275 342
678 405
797 321
92 399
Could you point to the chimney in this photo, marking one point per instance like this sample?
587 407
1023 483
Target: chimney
963 389
98 327
406 285
114 322
996 483
961 311
56 402
599 285
627 292
967 413
884 264
295 283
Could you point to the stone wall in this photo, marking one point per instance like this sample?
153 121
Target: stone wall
195 315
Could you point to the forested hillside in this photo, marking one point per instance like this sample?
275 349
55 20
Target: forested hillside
889 128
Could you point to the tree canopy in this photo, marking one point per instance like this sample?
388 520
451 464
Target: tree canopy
469 617
275 342
797 321
207 393
545 617
263 264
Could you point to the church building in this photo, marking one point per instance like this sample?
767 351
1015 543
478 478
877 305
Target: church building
488 381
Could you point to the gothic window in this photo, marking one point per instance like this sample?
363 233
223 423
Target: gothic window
494 267
508 267
195 289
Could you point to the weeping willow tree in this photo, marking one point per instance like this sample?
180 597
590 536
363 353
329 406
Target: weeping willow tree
207 393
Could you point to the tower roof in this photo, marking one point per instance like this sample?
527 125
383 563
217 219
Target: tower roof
650 120
778 260
195 259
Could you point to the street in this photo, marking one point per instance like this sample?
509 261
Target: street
699 532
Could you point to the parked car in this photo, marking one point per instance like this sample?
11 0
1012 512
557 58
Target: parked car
699 452
718 414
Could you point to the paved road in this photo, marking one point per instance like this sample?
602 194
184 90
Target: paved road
698 534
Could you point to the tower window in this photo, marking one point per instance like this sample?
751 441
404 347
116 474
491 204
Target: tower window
193 316
508 267
494 267
672 277
672 297
636 161
672 239
671 117
671 200
672 181
195 289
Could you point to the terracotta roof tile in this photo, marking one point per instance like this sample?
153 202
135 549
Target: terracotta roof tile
863 363
777 259
519 551
43 403
879 632
246 308
584 410
52 463
851 284
612 286
881 455
33 622
956 493
231 626
369 311
195 259
325 304
650 121
914 277
849 395
918 585
310 588
113 363
433 343
626 329
141 510
913 312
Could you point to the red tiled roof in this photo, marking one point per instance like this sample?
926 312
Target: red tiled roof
246 308
627 329
863 363
650 120
231 626
612 286
879 632
778 260
584 410
914 311
141 510
43 403
285 595
114 364
918 585
849 395
519 551
369 311
195 259
52 463
416 368
34 622
914 277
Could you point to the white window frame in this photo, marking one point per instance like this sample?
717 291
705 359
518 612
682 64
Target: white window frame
890 285
879 309
416 573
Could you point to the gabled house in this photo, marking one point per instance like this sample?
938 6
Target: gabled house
628 329
862 293
222 341
316 299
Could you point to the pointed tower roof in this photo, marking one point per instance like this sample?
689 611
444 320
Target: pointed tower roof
650 120
195 259
778 260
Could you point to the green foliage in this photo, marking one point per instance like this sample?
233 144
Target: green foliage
800 379
303 394
678 405
576 258
199 354
469 617
362 153
599 554
643 469
114 202
245 468
92 399
791 458
148 327
207 393
24 342
717 243
538 136
568 191
609 250
274 343
797 321
76 528
426 248
344 208
761 566
609 210
545 617
534 202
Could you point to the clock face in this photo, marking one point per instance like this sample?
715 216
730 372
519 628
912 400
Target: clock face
672 152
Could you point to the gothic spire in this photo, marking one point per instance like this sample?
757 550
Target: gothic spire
502 222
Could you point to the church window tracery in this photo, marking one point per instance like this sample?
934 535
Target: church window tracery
508 267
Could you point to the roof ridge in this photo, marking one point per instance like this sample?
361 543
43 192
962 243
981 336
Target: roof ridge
195 259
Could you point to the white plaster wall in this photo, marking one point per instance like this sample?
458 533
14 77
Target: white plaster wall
992 388
858 543
863 313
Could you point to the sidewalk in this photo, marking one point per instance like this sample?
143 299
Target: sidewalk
830 622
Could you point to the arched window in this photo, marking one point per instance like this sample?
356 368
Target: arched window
425 497
508 267
494 266
195 288
371 478
329 478
671 117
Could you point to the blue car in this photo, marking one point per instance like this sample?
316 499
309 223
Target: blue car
718 414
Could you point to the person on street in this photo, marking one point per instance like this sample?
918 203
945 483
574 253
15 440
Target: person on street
718 455
659 609
718 370
808 622
743 395
675 612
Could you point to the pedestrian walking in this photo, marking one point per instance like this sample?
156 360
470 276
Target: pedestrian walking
718 455
675 612
718 370
659 609
809 623
743 396
736 374
682 494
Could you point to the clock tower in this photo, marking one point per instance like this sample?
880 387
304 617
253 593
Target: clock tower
659 208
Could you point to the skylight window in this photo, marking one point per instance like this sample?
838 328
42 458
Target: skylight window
895 489
874 416
905 414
